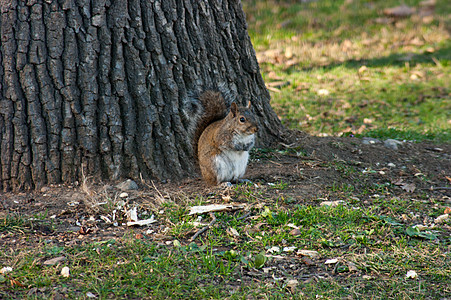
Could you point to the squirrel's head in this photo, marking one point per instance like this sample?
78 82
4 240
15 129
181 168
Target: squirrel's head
243 119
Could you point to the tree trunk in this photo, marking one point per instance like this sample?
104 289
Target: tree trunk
97 87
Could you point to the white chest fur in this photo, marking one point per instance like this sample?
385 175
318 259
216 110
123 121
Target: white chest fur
231 164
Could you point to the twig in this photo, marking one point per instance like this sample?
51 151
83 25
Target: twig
244 216
213 217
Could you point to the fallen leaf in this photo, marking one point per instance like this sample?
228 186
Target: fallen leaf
292 283
90 295
84 230
5 270
331 203
106 219
441 219
234 232
295 232
428 3
408 187
411 274
447 210
274 249
288 53
420 227
15 282
398 182
352 267
213 207
132 214
143 222
331 261
289 249
291 225
323 92
54 261
310 253
65 272
362 69
399 11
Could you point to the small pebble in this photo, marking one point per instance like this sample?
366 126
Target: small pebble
127 185
392 144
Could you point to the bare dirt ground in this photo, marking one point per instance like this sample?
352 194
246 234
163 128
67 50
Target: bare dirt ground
327 169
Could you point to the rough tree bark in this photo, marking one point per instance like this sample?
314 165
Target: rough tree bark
98 85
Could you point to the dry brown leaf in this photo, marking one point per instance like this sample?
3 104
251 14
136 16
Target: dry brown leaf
398 182
295 232
15 282
233 232
408 187
54 261
309 253
400 11
351 266
142 222
428 3
441 219
362 69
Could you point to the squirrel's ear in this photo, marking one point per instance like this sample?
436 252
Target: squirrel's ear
248 104
234 109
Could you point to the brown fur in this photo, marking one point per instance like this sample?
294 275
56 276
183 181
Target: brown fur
214 109
218 137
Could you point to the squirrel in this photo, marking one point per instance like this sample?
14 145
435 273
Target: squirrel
222 140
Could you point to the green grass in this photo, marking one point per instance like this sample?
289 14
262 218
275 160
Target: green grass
217 266
345 73
14 223
383 81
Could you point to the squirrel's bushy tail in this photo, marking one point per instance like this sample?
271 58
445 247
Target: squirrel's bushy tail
203 108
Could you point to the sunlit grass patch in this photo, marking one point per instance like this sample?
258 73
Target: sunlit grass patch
335 73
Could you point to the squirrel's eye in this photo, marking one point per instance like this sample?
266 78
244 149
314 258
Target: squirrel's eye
242 119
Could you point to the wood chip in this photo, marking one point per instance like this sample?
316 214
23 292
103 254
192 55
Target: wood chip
213 207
